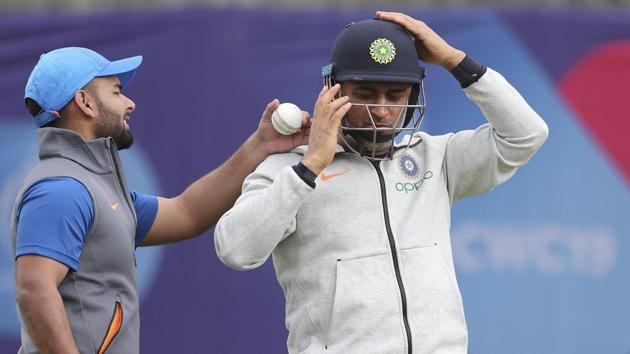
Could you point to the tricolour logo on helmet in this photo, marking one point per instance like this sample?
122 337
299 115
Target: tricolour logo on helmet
382 50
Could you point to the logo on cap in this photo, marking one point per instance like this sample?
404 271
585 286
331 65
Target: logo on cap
382 51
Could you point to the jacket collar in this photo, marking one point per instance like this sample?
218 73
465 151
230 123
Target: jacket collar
94 155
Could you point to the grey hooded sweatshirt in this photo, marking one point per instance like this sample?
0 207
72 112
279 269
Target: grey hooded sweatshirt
365 258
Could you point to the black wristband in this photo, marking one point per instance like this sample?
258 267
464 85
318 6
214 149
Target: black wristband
468 72
305 174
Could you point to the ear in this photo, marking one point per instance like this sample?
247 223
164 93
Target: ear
86 103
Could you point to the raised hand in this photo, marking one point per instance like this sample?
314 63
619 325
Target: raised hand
274 142
322 140
430 46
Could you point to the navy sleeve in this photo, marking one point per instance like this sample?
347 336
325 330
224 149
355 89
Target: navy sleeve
146 210
54 217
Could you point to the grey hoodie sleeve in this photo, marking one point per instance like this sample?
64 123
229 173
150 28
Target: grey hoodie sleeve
262 216
477 160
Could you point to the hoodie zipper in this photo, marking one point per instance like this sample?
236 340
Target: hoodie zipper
392 246
119 182
123 192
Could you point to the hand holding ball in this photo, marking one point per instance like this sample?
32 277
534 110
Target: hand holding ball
287 119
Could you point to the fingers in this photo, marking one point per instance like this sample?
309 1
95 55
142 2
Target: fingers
322 134
305 117
326 105
271 106
306 121
338 103
328 94
409 23
386 15
393 17
396 17
324 90
430 47
341 112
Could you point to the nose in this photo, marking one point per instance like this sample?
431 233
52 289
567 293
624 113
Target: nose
131 105
379 112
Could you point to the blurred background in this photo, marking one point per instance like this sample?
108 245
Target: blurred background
543 261
333 4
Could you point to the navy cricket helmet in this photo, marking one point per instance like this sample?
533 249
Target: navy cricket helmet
378 51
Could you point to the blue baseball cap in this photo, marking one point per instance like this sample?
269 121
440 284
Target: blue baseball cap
59 74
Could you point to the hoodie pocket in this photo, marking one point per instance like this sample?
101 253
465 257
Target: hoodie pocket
434 303
366 313
113 328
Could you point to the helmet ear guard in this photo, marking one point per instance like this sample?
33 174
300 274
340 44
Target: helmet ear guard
327 75
414 98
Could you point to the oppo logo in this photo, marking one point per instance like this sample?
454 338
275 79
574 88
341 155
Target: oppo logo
410 187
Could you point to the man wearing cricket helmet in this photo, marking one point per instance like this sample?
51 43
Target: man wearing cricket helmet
358 222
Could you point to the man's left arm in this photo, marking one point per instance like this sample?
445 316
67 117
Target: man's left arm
478 160
201 205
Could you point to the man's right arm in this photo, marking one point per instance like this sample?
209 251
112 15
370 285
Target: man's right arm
265 213
40 304
53 219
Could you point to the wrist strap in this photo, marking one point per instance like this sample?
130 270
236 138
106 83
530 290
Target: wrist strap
305 174
468 71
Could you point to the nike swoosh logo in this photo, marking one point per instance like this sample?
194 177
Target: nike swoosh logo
114 206
326 177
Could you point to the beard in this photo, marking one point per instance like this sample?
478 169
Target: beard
112 125
364 144
377 142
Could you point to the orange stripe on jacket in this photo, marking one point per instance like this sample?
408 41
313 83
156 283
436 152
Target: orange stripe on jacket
113 329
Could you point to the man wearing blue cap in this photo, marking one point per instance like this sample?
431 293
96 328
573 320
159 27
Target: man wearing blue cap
358 224
75 225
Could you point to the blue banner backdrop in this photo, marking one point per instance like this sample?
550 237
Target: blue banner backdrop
543 261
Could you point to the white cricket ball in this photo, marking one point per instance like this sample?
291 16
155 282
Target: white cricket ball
287 119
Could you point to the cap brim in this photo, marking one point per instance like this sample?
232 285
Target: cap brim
125 69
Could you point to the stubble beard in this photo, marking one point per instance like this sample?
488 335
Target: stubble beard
112 125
